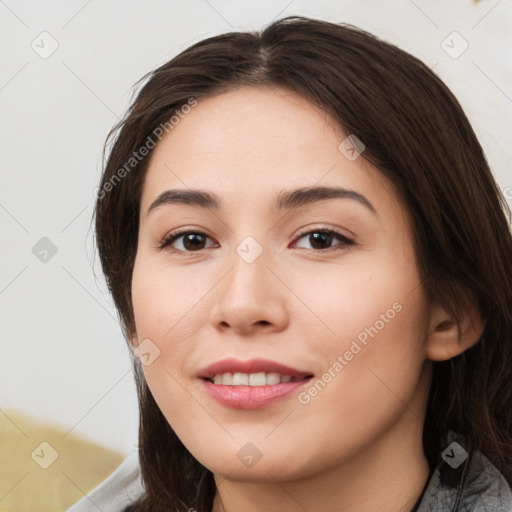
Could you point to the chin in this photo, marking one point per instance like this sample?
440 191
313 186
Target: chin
261 473
236 465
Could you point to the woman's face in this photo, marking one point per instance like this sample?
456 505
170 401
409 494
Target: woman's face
264 293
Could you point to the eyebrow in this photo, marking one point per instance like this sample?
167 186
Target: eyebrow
286 200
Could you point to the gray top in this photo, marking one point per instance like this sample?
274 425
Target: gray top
458 484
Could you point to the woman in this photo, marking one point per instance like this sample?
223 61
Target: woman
313 266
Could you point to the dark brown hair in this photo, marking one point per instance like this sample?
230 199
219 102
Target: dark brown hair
418 136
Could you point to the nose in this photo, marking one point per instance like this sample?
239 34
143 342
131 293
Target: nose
251 298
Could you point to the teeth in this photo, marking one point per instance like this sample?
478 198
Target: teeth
251 379
273 378
240 379
227 379
257 379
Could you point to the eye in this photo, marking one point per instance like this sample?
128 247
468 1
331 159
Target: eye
192 241
322 237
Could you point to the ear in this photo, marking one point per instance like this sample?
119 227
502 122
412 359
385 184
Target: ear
443 341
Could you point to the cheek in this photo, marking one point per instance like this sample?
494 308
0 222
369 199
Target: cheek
373 331
163 298
161 304
361 296
375 356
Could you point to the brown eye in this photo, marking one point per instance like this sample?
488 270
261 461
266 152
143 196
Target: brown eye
193 241
190 241
321 239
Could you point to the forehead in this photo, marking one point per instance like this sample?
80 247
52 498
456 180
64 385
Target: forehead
251 143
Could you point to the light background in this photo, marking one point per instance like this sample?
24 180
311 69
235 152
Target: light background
63 357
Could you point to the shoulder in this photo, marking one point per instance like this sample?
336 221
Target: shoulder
485 487
114 494
472 483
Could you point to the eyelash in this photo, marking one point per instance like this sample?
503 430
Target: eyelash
171 237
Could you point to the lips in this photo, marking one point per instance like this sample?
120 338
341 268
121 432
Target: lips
251 384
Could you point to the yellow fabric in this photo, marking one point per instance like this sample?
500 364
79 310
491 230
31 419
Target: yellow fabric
75 466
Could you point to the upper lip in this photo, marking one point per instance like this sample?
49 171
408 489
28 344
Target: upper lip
232 365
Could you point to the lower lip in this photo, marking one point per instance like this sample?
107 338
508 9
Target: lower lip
251 397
